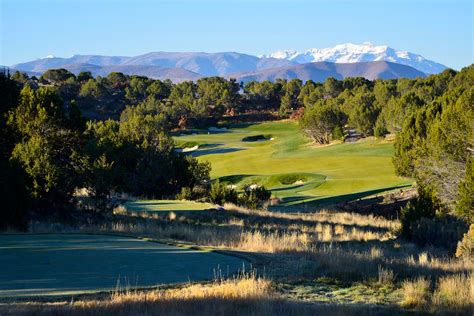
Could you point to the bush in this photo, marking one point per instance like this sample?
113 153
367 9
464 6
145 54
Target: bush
185 194
221 193
380 130
424 222
443 231
465 198
465 248
423 207
337 133
254 196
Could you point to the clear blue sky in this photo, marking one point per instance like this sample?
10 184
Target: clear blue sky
30 29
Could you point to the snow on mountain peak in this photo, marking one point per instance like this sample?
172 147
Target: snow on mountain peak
353 53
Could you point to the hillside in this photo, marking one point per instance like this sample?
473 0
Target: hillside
205 64
320 71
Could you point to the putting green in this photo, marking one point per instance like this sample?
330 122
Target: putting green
328 173
67 264
167 205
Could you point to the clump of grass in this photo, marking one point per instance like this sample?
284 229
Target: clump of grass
455 292
416 293
376 253
386 276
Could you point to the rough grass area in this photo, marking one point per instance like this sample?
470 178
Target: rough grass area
339 172
450 294
320 262
300 252
246 295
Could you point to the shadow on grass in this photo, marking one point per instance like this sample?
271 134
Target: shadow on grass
213 151
355 196
293 202
235 178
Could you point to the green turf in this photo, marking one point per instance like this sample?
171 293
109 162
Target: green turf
69 264
335 172
167 205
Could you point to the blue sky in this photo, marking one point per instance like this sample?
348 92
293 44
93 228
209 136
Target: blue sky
30 29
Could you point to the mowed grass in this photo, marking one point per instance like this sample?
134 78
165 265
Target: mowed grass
346 170
69 264
166 206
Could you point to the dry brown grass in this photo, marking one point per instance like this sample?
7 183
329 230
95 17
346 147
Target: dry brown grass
333 217
455 292
245 295
290 246
246 286
416 293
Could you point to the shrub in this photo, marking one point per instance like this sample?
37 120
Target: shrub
380 130
465 248
423 207
254 196
185 194
337 133
443 231
220 194
465 198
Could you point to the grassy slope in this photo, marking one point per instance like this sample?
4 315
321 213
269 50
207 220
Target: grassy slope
337 170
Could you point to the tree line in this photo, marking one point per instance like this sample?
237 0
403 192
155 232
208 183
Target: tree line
125 144
49 151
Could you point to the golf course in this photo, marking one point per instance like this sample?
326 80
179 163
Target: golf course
71 264
277 155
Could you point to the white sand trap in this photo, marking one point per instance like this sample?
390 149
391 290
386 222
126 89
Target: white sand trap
190 149
187 149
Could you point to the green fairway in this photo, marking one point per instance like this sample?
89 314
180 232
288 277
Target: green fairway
66 264
167 205
278 151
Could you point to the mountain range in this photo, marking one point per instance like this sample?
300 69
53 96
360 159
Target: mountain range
353 53
347 60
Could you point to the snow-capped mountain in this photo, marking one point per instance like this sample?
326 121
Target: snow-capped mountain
354 53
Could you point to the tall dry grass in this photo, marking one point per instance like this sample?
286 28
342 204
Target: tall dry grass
416 293
245 295
455 292
452 293
328 216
